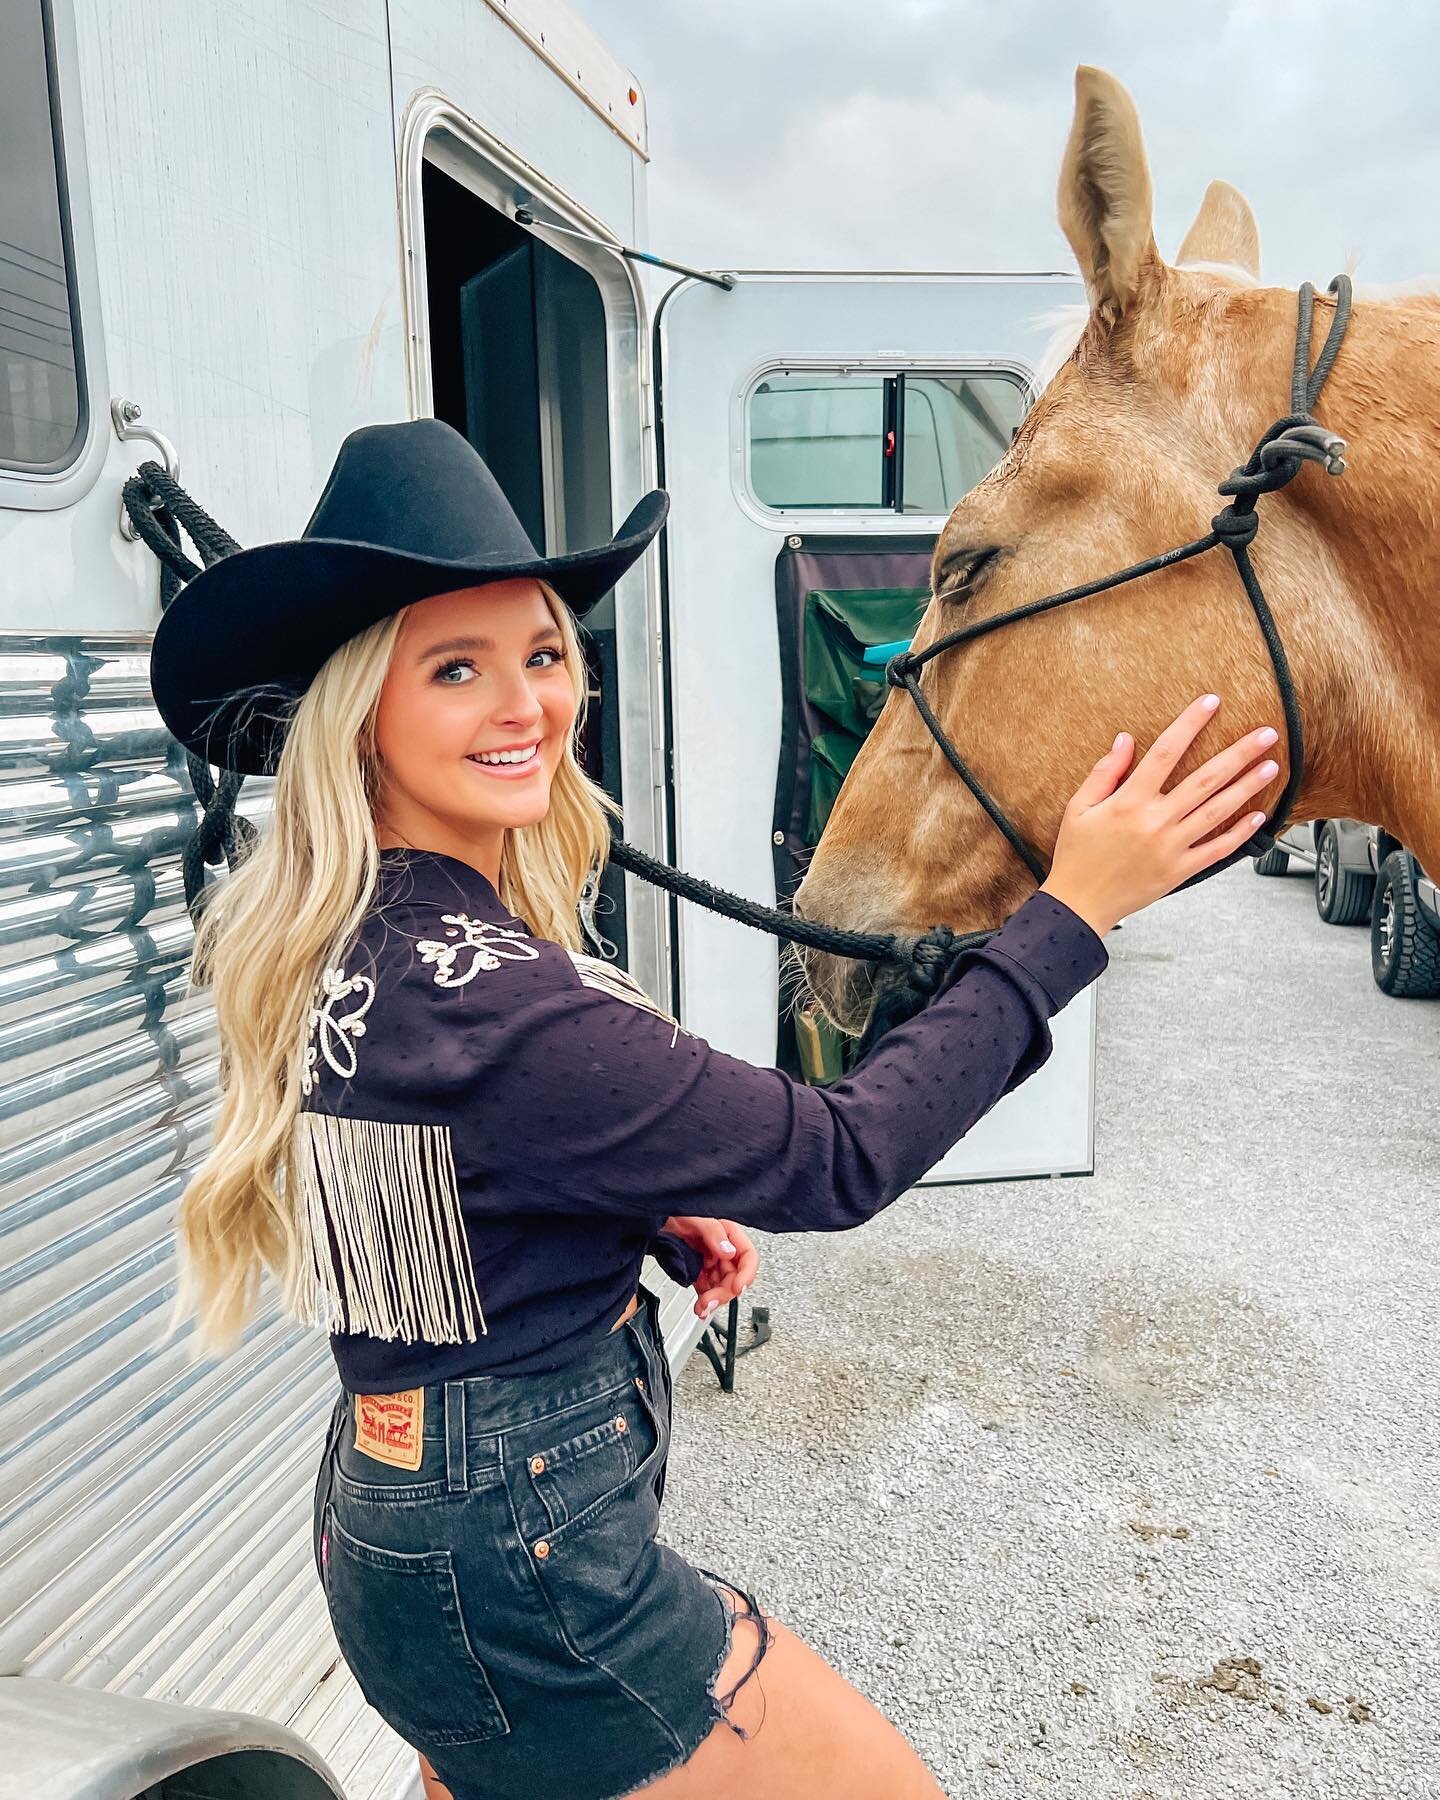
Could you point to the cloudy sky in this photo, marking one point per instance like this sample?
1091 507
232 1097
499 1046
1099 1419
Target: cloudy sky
928 133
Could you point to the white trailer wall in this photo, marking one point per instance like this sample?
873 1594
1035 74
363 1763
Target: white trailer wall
235 203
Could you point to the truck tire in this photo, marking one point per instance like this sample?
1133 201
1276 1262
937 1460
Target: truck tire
1404 945
1273 862
1342 896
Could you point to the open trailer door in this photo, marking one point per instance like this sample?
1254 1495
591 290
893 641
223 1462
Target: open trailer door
815 431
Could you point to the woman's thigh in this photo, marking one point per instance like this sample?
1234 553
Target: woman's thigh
808 1732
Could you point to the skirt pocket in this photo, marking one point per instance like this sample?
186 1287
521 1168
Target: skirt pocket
608 1444
588 1509
398 1622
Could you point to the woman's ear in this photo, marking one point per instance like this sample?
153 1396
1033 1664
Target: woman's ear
1105 198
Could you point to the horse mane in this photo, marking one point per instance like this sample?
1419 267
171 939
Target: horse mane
1066 323
1398 293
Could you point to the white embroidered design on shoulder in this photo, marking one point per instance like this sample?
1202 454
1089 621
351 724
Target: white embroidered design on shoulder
335 1030
492 944
620 984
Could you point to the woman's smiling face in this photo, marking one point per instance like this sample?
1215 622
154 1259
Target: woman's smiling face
475 672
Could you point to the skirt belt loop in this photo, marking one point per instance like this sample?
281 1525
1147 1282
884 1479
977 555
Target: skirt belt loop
456 1476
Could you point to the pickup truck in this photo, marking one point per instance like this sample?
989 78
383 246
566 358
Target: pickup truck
1404 921
1338 850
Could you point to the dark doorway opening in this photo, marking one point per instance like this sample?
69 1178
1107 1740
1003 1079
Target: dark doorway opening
519 365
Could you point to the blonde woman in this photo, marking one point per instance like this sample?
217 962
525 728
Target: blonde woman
451 1136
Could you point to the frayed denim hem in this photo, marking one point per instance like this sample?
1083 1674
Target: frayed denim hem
719 1705
764 1639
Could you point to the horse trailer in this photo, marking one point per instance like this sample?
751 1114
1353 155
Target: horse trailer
232 236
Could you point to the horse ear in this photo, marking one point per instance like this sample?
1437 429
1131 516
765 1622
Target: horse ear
1224 231
1106 202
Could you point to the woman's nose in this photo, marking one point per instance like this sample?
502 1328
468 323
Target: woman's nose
519 703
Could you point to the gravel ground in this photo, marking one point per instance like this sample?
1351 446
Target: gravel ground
1128 1486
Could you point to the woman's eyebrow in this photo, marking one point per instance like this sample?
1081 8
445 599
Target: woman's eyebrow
476 643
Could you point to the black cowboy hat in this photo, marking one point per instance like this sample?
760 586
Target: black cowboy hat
409 510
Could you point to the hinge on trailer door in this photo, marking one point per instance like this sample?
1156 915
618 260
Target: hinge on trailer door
524 216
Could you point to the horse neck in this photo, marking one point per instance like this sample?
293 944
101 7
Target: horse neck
1364 559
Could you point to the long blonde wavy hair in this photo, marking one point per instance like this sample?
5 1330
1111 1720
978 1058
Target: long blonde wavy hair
287 913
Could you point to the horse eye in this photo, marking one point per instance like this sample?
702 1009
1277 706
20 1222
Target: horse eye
961 573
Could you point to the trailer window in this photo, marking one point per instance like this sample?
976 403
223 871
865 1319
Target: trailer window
40 404
815 440
957 427
905 443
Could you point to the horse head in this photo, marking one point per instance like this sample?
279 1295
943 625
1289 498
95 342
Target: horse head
1177 372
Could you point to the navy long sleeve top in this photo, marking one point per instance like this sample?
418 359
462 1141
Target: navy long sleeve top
493 1129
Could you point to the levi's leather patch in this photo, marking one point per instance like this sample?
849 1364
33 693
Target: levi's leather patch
391 1427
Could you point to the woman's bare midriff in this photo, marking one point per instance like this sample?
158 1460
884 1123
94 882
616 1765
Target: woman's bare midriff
628 1313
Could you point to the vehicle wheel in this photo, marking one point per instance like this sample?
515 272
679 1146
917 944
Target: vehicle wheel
1342 896
1404 945
1273 862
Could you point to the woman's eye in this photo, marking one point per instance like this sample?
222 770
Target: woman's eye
448 672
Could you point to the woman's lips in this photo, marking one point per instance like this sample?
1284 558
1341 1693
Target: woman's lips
507 771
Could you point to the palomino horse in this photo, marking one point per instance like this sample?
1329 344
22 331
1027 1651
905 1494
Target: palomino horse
1178 372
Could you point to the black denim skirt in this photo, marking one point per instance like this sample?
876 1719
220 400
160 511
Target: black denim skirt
505 1605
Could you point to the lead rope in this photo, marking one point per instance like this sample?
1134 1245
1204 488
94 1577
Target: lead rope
910 969
159 506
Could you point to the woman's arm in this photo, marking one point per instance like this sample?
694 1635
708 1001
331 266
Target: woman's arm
578 1101
567 1095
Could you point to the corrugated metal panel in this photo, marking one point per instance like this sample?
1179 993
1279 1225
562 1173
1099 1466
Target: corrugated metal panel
154 1516
155 1529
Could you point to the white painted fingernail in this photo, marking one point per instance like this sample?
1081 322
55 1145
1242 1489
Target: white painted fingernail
727 1246
1210 702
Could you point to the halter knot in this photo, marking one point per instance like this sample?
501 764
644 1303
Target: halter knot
929 958
898 668
1282 453
1235 529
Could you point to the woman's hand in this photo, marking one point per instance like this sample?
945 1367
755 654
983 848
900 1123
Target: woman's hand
730 1259
1125 841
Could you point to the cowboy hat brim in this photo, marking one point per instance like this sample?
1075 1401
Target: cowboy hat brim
243 639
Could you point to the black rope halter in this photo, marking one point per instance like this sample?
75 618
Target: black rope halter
1277 459
909 970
